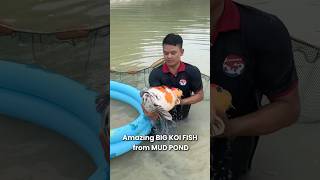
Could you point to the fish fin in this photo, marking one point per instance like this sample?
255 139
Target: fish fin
217 127
163 113
178 101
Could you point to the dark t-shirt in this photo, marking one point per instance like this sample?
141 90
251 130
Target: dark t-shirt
250 62
188 79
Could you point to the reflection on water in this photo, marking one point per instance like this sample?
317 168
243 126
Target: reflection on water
121 114
168 165
138 27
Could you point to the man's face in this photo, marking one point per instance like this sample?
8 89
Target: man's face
172 54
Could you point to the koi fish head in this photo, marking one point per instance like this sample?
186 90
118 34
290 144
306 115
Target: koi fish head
160 99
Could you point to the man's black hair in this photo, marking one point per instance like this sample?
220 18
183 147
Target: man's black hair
173 39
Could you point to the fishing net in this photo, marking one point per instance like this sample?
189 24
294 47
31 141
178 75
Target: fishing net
307 58
68 37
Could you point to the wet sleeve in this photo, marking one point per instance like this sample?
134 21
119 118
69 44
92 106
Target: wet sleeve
196 80
275 72
154 79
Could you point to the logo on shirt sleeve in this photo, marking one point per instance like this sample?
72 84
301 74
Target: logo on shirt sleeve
233 65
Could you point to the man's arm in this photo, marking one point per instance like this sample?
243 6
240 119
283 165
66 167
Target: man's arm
195 98
281 112
196 87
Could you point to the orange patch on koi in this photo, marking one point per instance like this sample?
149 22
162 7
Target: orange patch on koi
168 97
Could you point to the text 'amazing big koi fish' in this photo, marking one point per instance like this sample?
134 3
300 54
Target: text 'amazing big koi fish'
161 100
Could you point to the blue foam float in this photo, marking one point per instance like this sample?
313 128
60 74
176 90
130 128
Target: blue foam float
140 126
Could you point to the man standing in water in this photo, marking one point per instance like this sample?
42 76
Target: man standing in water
177 74
251 56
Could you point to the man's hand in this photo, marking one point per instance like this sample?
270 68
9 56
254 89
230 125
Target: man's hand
195 98
280 113
152 115
218 126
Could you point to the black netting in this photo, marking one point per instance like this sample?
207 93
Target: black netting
80 55
307 58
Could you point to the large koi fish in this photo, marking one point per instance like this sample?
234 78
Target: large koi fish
161 100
